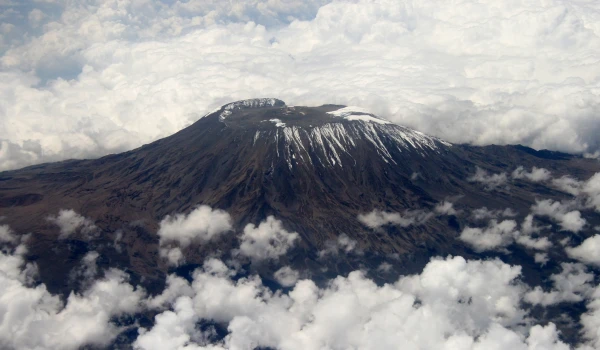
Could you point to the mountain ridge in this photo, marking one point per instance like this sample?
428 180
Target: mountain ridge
222 164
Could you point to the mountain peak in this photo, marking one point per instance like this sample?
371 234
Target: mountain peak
254 103
330 135
274 112
340 111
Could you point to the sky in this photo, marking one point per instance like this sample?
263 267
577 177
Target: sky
90 77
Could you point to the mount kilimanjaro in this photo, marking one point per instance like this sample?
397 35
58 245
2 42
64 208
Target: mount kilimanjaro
317 169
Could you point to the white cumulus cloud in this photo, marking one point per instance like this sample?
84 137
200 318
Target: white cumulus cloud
591 321
201 224
69 222
286 276
341 245
490 181
7 235
379 218
499 235
465 304
588 251
536 174
267 241
484 213
591 189
496 235
572 284
564 213
32 318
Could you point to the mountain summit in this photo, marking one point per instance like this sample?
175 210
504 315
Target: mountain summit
326 135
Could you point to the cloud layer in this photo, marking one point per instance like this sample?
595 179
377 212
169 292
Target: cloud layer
82 79
465 305
32 318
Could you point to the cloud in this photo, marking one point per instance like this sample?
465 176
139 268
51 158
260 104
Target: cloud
473 303
496 235
528 228
267 241
563 213
175 330
588 191
87 271
541 258
484 213
465 304
542 243
378 218
7 235
342 245
536 174
117 242
91 79
591 320
591 189
445 208
173 255
571 285
286 276
200 225
30 316
70 222
175 288
499 235
384 267
490 182
35 17
567 184
588 252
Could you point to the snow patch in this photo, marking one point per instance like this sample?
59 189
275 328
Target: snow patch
251 103
366 118
331 143
278 123
357 113
346 111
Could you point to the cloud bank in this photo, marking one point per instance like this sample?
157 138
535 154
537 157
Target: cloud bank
465 304
32 318
87 78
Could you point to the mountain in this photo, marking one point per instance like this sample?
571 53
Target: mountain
317 169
